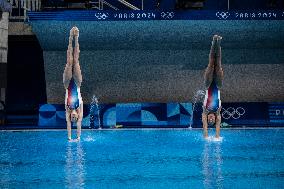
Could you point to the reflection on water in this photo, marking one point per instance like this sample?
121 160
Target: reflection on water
75 165
212 165
5 170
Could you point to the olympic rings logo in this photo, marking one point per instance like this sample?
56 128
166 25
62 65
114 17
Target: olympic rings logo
101 16
234 113
222 15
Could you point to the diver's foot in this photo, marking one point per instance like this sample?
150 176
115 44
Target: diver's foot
219 38
216 39
75 31
71 32
214 43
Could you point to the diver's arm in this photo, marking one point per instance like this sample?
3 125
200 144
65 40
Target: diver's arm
218 125
205 124
218 121
68 121
79 122
209 72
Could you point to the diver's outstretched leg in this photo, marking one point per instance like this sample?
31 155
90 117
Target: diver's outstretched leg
218 72
209 72
67 75
77 75
77 70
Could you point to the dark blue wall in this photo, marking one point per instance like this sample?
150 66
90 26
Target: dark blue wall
25 75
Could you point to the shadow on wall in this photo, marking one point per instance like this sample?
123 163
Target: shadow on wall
26 78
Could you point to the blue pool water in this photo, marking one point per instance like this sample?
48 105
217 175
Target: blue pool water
142 159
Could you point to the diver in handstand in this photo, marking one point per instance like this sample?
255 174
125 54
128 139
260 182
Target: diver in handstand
213 78
72 79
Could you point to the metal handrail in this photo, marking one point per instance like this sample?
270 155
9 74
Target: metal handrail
101 4
228 4
110 5
128 5
26 5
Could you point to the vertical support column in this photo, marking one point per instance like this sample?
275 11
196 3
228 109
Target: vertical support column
3 93
3 54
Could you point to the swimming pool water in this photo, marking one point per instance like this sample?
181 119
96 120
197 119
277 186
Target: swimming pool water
245 158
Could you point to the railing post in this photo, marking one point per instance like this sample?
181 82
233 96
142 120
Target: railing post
19 6
228 5
25 12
